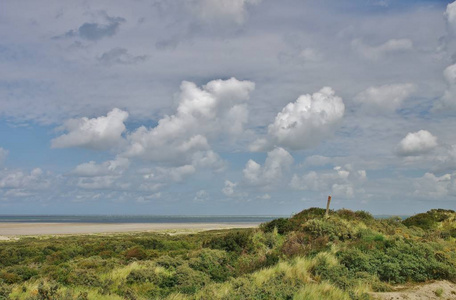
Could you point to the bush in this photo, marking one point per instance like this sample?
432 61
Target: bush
283 226
189 281
235 241
430 219
215 263
169 262
136 253
10 278
142 276
334 229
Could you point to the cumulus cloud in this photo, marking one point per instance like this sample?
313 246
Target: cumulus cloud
228 189
3 155
18 183
377 52
223 10
93 176
277 162
445 160
431 186
119 56
95 31
265 197
110 167
340 181
216 110
176 174
96 183
310 55
387 98
448 100
450 15
97 133
417 143
201 196
306 122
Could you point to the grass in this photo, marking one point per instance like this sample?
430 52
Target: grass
346 256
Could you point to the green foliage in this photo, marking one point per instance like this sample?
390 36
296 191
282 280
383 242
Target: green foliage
334 229
135 253
399 261
430 219
188 280
283 225
438 292
234 241
216 263
306 256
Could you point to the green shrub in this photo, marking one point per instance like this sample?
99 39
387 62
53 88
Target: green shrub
215 263
233 241
430 219
169 262
5 290
83 277
136 253
10 278
189 281
334 229
283 226
142 276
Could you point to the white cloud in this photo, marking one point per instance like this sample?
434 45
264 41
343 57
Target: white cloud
340 181
176 174
386 98
306 122
448 100
99 133
110 167
445 159
223 10
265 196
450 15
96 183
431 186
149 198
215 111
310 55
201 196
3 155
377 52
17 183
93 176
417 143
228 189
277 162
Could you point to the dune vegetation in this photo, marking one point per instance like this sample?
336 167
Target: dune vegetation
348 255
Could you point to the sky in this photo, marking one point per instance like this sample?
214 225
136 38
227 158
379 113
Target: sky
227 107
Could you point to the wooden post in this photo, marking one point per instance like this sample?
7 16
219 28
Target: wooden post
327 207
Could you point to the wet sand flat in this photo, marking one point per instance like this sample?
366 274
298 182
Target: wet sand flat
17 229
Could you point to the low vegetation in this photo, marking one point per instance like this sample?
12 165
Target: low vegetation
346 256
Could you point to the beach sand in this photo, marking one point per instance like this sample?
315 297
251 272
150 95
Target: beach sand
8 230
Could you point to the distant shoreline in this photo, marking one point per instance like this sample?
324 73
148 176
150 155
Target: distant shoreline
11 229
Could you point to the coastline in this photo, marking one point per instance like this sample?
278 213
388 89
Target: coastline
8 230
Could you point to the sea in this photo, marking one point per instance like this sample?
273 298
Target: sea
115 219
145 219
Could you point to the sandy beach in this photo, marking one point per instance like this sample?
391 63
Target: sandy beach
8 230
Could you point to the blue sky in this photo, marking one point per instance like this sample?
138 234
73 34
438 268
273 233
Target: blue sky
226 106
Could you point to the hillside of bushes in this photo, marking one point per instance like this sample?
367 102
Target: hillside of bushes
345 256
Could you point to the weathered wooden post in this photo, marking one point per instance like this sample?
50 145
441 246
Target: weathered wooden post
327 207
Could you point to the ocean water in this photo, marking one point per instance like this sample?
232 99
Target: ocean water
137 219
